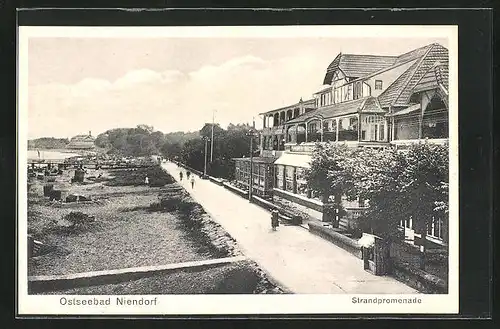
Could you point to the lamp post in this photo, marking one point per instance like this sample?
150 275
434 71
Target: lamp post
252 133
206 139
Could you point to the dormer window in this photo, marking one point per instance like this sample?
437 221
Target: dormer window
378 84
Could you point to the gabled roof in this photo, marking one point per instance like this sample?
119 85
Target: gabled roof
372 105
356 66
359 66
363 105
400 91
414 54
436 76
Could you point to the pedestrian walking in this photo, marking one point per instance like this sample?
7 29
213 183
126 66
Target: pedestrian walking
188 173
192 181
180 176
146 180
274 220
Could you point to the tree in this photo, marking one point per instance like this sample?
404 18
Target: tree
330 175
376 176
402 185
424 182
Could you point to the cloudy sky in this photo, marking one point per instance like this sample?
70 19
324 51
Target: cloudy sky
173 84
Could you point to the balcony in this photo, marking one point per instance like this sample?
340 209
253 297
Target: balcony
439 141
278 130
403 144
271 153
300 148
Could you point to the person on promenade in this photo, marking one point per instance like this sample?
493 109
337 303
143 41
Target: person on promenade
180 176
274 219
192 181
188 173
146 180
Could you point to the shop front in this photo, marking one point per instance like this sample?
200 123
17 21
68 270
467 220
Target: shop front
262 175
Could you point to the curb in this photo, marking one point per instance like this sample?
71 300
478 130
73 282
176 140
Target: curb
61 282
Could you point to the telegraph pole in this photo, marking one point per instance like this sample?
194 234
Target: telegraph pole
250 189
251 133
205 166
212 140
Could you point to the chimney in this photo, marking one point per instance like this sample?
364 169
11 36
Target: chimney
90 133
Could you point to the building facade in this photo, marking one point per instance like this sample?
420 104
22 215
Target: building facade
366 101
262 177
82 142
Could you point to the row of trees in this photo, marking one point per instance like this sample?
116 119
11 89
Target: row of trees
188 147
47 143
233 142
397 184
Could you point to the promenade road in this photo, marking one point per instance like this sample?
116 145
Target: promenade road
300 261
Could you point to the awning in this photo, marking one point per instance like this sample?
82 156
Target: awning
407 110
295 160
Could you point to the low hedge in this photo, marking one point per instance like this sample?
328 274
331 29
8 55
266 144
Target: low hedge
236 190
336 238
418 279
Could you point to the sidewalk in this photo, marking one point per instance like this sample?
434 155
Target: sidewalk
301 261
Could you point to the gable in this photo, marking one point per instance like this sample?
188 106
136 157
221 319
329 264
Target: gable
400 91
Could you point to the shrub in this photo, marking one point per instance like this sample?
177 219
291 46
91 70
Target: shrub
79 220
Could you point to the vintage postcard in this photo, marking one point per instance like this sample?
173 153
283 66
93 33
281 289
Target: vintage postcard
238 170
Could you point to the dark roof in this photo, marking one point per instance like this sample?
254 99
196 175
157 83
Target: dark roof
392 92
359 66
372 105
257 159
434 77
310 103
412 55
356 66
399 92
333 110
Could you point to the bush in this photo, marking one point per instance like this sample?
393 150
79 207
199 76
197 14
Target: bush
79 220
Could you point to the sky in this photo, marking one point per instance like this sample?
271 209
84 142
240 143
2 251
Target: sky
78 84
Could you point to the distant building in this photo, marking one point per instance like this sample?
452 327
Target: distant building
82 142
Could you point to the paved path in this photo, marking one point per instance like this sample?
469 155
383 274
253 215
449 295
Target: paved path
299 260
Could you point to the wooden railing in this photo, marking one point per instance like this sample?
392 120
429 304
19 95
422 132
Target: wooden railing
273 130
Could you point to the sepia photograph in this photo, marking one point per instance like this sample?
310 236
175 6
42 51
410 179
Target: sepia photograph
219 170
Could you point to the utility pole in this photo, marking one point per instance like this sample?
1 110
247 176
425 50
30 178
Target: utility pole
205 165
251 133
212 140
250 186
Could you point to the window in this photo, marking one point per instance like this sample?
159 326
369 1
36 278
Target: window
373 128
378 84
337 95
289 178
301 181
407 224
279 176
435 228
348 92
348 129
358 90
